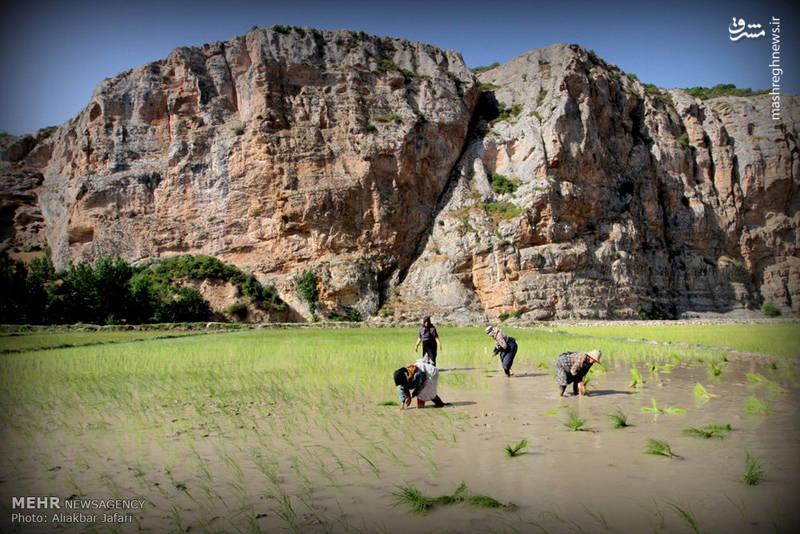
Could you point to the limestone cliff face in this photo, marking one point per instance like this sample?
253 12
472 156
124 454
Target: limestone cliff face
629 199
283 150
368 160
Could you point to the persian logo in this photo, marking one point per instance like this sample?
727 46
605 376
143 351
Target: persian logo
737 28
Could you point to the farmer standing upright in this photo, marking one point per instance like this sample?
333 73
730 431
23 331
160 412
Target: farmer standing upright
429 339
505 346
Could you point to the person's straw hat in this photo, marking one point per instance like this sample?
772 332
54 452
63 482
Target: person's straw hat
595 354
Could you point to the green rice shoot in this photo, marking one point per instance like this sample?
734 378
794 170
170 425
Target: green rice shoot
656 410
753 405
687 516
701 392
516 449
574 422
753 471
618 419
709 431
758 379
636 378
420 504
659 447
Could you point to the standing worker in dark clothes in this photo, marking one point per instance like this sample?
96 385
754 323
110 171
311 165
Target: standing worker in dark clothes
429 339
571 368
505 346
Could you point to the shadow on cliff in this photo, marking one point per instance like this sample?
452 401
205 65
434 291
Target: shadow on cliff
485 110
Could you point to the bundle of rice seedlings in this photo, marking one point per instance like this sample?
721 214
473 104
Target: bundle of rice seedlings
662 448
709 431
655 409
760 380
515 450
618 419
756 406
573 422
412 497
636 378
713 368
753 472
702 393
420 504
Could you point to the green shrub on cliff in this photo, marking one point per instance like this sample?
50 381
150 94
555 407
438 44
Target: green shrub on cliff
770 309
722 89
309 291
501 184
478 70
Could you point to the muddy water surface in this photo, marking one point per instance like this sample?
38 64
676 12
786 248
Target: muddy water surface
599 478
282 469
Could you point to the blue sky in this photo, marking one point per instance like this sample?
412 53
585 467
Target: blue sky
56 52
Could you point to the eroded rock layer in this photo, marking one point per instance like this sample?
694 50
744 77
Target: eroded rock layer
567 188
628 200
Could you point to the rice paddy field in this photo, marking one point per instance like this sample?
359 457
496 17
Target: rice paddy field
689 428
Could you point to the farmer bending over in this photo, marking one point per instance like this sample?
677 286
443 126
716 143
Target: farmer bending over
429 339
419 380
571 367
505 346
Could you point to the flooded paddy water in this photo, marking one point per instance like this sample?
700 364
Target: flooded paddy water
335 462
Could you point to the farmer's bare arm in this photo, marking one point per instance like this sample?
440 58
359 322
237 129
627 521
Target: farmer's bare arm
419 340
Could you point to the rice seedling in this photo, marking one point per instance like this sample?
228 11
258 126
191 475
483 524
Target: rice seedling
687 516
753 471
618 419
420 504
515 450
549 413
388 403
658 447
713 369
542 365
760 380
708 431
656 410
574 422
701 392
756 406
636 378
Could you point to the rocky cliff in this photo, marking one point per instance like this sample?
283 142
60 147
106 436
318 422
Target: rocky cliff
627 200
283 150
563 188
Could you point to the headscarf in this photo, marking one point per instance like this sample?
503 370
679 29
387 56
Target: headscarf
427 319
490 330
403 375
